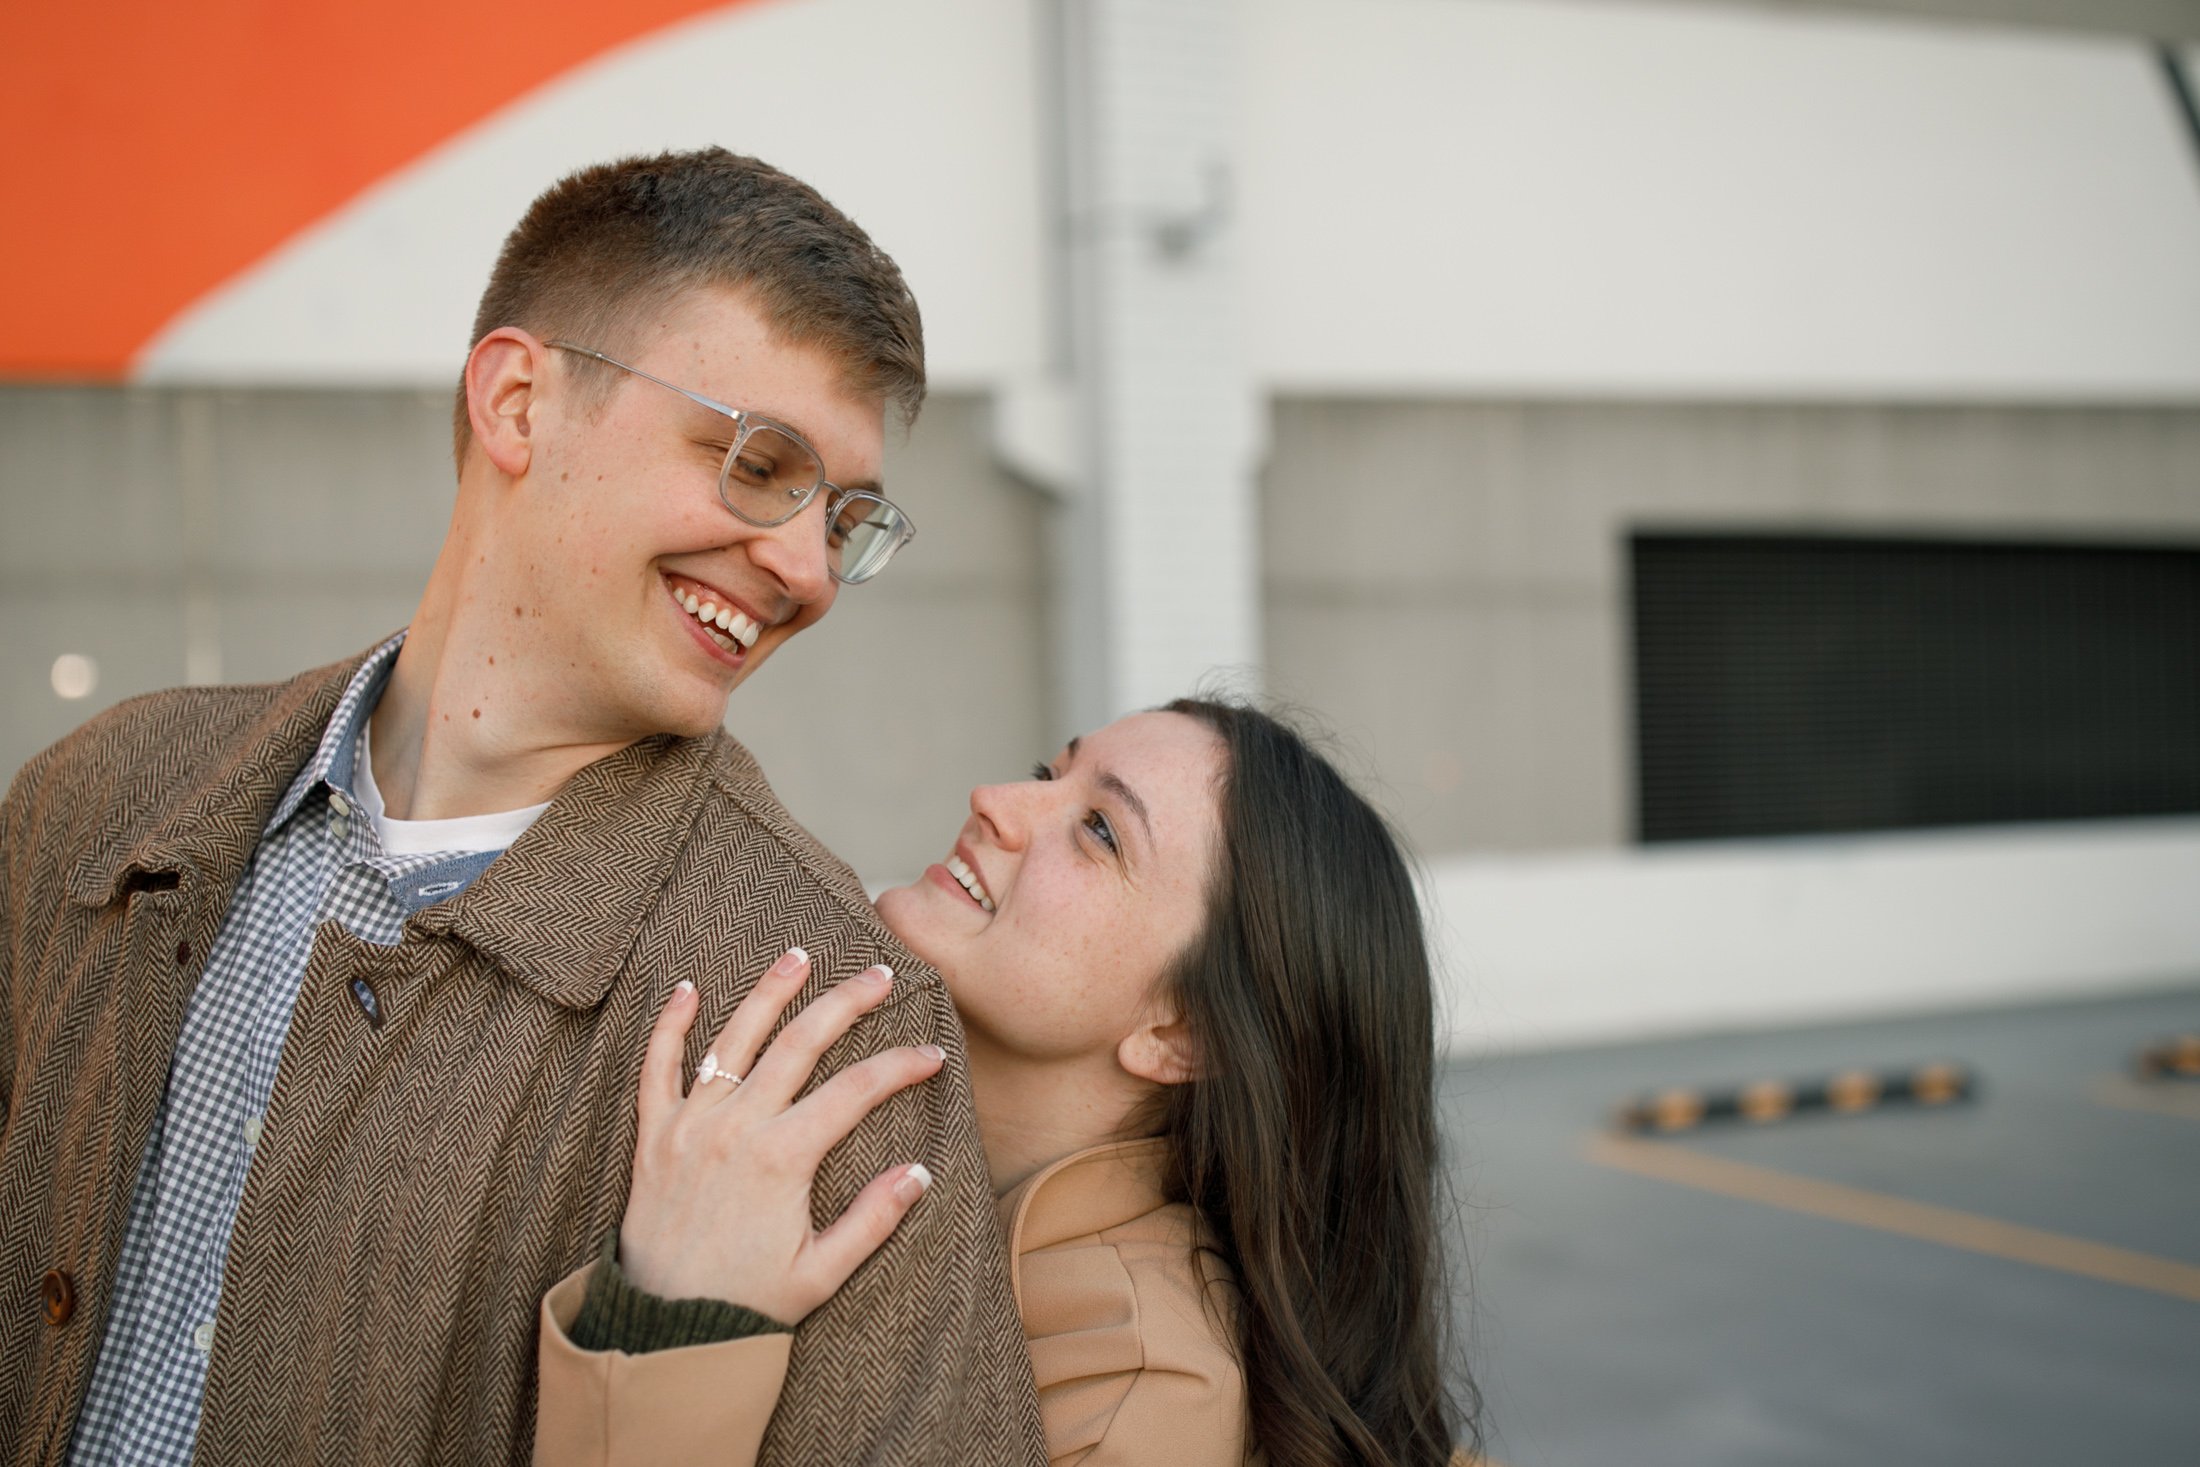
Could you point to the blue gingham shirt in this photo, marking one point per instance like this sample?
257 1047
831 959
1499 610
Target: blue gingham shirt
318 861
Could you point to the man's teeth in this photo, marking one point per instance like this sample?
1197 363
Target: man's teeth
725 625
958 868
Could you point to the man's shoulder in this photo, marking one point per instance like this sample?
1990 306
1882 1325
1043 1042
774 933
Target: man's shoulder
737 790
770 882
121 773
162 728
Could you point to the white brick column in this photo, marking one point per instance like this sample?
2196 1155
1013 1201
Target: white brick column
1156 557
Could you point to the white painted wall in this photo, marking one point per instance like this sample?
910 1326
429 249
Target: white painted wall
1433 196
1563 197
918 120
1548 951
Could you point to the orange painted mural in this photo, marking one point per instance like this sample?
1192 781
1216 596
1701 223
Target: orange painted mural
155 150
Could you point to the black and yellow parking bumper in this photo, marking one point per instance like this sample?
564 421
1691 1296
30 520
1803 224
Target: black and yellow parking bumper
1846 1092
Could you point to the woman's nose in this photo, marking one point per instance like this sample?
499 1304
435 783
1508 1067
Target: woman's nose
1005 811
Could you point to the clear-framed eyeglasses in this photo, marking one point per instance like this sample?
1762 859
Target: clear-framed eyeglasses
771 474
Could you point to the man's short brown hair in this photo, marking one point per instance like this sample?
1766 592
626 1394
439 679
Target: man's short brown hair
603 247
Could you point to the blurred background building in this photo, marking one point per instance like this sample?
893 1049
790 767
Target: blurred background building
1729 474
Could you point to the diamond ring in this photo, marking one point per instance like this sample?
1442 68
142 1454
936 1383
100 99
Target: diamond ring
708 1071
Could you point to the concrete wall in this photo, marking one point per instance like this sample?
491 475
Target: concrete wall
178 535
1446 581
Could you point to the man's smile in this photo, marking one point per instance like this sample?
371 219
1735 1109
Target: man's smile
730 628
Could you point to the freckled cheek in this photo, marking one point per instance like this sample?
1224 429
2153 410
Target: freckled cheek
1074 969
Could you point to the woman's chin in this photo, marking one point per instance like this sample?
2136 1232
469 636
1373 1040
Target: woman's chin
899 907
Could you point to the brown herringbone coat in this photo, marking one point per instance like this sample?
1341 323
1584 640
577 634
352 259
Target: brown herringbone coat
420 1184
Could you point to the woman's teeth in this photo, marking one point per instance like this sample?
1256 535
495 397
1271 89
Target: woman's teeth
960 870
725 625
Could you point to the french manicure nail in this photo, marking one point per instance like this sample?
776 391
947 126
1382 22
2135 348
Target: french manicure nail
792 960
932 1051
914 1183
878 973
683 986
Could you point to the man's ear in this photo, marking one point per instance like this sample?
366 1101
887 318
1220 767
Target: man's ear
501 397
1160 1049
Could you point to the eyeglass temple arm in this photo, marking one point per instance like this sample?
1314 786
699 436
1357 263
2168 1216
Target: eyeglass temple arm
738 415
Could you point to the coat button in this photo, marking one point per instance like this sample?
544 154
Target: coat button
58 1292
183 953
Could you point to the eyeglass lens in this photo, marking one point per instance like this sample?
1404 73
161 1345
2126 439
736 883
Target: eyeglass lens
864 534
769 476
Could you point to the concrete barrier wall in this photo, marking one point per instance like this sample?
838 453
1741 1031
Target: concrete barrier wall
1555 950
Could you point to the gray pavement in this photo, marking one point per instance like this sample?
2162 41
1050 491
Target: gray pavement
1618 1318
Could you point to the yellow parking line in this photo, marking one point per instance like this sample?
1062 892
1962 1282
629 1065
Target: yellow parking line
2165 1097
1667 1162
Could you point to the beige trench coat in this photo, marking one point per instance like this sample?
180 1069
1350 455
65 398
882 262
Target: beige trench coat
1132 1367
426 1173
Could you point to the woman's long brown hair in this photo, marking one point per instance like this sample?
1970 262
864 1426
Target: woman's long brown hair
1309 1143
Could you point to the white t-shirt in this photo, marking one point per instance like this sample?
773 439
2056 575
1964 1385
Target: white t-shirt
428 837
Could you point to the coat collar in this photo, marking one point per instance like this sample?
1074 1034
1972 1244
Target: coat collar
561 909
210 825
558 911
1085 1192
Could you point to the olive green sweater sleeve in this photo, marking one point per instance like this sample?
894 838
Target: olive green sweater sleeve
617 1316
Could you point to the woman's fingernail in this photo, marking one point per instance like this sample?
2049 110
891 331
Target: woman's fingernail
791 962
879 973
683 986
914 1183
932 1051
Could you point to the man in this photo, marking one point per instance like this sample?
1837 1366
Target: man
322 1004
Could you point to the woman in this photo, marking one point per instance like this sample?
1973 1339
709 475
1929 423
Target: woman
1190 965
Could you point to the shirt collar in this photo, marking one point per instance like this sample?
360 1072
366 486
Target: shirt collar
333 760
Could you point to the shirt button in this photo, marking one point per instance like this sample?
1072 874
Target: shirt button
57 1291
338 803
202 1338
253 1125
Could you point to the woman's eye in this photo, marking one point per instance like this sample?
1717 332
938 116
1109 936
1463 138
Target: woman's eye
1102 832
1041 772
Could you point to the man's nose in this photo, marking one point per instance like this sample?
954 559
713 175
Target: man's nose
794 554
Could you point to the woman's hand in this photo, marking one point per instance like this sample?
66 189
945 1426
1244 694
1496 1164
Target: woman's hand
721 1201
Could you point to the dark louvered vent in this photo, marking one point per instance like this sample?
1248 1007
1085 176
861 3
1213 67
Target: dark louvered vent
1787 685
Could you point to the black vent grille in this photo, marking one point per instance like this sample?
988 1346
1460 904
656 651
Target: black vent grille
1788 685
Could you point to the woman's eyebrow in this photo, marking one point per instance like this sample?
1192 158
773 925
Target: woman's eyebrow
1114 785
